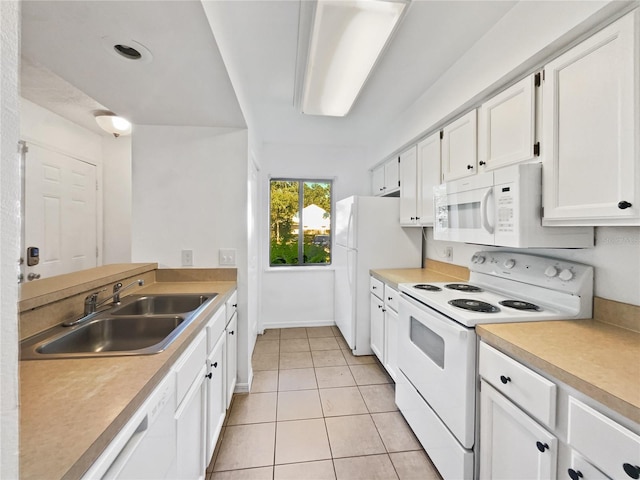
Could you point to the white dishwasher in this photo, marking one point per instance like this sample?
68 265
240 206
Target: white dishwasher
145 449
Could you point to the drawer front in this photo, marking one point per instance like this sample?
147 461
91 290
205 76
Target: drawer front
391 297
582 469
215 328
606 444
232 305
532 392
376 287
189 365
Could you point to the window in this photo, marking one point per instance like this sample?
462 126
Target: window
300 222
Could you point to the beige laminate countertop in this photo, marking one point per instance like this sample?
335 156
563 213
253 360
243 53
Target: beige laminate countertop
596 358
70 409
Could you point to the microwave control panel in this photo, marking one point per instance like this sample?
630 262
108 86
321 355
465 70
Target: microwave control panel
505 208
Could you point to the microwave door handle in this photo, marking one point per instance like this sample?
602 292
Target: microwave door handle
484 206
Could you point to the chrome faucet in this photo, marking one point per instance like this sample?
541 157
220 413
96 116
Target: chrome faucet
91 303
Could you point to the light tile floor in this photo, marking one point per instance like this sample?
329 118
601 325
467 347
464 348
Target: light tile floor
316 412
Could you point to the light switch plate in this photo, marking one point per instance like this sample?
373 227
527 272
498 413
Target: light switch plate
187 258
227 256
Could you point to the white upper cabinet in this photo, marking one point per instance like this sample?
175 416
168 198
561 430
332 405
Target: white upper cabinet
428 176
591 130
506 126
460 147
386 178
409 187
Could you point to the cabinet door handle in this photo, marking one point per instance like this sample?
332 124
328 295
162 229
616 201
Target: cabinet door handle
632 470
574 474
214 364
389 298
374 288
379 306
231 332
209 376
482 163
384 309
469 167
623 205
504 379
542 446
417 218
235 305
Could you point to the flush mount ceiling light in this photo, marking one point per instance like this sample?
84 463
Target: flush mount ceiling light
345 41
113 124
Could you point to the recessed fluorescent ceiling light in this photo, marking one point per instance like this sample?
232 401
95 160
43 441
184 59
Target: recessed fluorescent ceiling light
347 38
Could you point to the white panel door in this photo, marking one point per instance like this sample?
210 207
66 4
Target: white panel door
591 132
60 211
512 445
460 147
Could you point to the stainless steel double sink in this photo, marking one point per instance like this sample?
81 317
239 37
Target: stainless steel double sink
139 325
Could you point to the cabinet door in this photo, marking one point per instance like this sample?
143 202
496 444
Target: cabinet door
506 126
591 131
191 431
391 175
216 395
377 327
231 357
428 177
512 445
408 188
460 148
391 341
377 181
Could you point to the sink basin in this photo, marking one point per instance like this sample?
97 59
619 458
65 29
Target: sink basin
113 334
141 325
161 304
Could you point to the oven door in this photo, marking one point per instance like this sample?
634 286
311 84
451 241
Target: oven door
438 356
465 211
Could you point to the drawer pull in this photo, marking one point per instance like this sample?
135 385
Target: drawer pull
209 376
575 474
632 470
231 332
214 364
235 305
542 446
389 298
504 379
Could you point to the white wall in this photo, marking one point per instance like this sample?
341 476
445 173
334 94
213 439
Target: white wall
304 296
9 237
116 156
522 40
190 192
112 157
527 36
616 258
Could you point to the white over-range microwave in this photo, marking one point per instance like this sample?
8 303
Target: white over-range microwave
502 208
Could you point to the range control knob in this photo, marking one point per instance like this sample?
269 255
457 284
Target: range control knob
566 275
510 263
478 259
551 271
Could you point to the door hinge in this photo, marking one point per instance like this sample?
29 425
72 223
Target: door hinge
536 149
398 182
96 252
537 79
398 159
441 134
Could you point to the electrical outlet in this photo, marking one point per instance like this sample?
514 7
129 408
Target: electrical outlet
448 253
187 258
227 256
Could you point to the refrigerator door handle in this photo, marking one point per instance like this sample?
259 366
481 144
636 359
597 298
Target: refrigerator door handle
350 243
349 270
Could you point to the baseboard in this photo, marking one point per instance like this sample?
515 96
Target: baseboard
315 323
244 387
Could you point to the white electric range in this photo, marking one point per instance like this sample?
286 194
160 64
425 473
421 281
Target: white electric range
436 388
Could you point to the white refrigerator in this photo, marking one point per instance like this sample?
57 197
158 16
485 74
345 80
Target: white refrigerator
367 236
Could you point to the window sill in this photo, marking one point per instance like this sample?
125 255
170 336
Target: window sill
290 269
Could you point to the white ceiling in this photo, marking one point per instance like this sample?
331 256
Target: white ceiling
194 79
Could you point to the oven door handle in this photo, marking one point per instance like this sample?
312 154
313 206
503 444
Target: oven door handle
484 207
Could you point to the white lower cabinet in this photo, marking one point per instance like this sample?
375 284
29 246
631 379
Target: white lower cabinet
512 445
190 414
231 357
377 327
